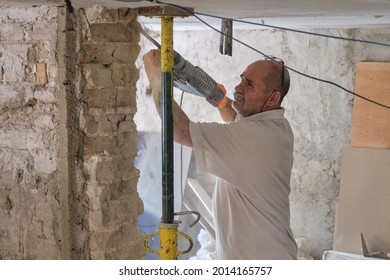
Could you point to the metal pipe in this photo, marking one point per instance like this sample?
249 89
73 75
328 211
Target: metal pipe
167 119
168 228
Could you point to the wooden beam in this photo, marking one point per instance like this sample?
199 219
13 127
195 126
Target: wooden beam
155 11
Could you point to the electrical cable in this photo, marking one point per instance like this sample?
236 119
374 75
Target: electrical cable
271 57
300 31
181 154
276 27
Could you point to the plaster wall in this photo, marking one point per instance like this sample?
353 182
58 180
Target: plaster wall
320 114
30 223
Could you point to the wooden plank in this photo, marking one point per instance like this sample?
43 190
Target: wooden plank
41 74
371 123
164 11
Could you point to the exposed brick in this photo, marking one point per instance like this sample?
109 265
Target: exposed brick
123 188
126 97
105 125
11 32
126 142
91 125
127 126
98 53
126 53
132 247
44 31
97 77
100 98
121 144
110 32
117 212
95 145
105 171
120 76
14 60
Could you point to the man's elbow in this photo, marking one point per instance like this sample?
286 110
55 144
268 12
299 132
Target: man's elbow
183 139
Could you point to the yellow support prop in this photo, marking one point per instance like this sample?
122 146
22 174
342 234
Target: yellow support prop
168 228
167 44
168 242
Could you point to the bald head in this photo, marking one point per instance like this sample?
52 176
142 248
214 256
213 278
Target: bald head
276 77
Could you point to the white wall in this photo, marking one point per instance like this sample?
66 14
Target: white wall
320 114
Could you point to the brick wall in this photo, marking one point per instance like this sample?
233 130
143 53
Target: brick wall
107 86
68 186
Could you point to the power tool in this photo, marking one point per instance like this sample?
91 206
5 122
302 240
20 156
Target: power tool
190 78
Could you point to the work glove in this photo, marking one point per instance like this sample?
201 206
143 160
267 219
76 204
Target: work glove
152 64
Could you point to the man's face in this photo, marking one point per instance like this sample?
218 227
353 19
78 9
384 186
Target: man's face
250 94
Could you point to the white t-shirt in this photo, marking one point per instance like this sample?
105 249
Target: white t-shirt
252 160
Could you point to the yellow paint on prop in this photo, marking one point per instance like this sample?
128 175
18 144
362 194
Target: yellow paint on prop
168 241
167 44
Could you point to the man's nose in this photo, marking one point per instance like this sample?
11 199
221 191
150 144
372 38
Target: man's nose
240 87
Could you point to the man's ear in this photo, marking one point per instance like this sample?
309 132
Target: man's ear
275 98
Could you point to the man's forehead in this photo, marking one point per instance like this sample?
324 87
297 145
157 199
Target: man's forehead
255 70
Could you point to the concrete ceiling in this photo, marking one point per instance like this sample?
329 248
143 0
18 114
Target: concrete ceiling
289 12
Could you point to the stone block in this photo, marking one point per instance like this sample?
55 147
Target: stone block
105 126
110 32
126 96
98 53
105 171
44 31
91 125
120 76
123 188
97 77
95 145
100 98
11 32
126 53
126 142
14 63
120 144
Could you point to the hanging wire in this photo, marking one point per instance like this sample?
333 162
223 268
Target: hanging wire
276 27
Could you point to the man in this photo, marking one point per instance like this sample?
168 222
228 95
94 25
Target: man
251 155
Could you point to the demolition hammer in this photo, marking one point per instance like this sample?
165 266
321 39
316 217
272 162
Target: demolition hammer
190 78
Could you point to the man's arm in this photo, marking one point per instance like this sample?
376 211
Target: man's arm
227 113
181 123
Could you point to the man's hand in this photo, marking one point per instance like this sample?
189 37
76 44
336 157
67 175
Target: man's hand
152 63
180 120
